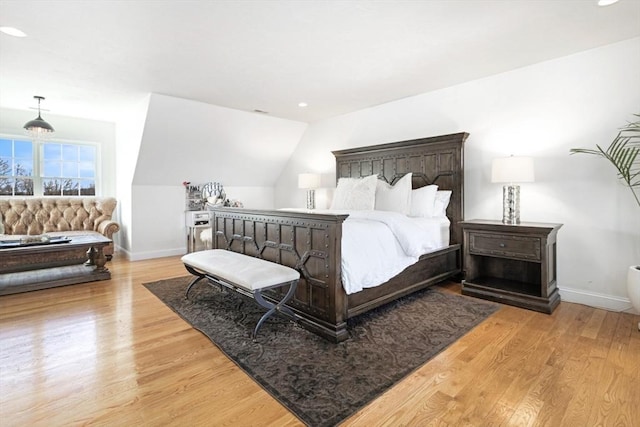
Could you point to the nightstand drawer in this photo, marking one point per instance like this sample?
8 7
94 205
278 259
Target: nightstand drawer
505 245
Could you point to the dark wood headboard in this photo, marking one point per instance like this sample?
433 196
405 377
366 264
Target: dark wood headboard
436 160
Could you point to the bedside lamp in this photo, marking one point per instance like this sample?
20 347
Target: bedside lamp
309 181
511 171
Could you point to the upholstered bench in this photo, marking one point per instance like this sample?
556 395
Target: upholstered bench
244 274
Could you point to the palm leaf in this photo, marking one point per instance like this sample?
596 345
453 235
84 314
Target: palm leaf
623 153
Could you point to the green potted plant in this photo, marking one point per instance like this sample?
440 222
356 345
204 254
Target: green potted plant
624 154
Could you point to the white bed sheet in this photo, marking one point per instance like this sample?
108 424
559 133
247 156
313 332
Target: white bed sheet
378 245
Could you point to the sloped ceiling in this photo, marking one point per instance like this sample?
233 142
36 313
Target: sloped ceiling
88 58
192 141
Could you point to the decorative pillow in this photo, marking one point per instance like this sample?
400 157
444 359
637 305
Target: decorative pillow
396 198
423 201
441 203
355 193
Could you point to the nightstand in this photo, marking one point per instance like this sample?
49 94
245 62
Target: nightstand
511 264
196 222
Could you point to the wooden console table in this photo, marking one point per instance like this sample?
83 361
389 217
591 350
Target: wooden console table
28 268
511 264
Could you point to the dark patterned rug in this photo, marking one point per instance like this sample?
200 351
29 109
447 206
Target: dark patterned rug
321 382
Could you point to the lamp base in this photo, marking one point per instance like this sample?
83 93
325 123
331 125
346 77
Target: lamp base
311 199
511 204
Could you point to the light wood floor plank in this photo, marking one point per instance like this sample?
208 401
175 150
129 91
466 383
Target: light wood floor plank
110 353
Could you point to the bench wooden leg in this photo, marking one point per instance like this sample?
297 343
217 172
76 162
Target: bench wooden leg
272 308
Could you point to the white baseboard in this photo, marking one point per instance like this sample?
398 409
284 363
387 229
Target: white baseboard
139 256
594 299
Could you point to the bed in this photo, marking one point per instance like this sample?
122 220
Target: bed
311 242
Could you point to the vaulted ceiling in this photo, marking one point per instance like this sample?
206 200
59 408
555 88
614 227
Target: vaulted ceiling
90 58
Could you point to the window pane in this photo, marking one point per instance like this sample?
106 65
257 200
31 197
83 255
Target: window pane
24 187
87 170
87 188
52 169
69 169
70 187
52 187
52 152
6 187
70 153
23 149
24 167
87 154
5 148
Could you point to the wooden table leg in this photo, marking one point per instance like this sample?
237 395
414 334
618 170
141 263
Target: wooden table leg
91 256
95 256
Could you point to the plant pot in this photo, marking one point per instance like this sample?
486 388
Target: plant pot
633 287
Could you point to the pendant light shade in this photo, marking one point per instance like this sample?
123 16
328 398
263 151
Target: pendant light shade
38 128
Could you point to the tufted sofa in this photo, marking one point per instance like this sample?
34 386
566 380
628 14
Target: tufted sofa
59 216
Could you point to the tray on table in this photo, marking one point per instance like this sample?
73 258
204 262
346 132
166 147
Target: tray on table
17 243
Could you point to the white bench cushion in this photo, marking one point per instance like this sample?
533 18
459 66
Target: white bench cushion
246 271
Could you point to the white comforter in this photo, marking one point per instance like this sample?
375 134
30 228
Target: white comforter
377 245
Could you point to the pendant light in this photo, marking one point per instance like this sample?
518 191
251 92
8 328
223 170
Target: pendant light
38 128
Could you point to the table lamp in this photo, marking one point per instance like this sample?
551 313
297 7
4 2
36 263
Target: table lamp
511 171
309 181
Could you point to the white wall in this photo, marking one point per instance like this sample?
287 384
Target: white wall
130 126
542 110
186 140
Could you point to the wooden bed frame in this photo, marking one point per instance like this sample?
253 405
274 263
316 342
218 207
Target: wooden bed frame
311 243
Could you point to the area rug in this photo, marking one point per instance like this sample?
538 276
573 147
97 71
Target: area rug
323 383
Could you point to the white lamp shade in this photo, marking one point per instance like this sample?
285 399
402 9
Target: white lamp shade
308 180
512 169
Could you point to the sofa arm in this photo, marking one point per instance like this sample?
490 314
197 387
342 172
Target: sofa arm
107 228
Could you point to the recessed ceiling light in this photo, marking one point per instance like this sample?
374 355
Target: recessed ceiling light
606 2
12 32
302 104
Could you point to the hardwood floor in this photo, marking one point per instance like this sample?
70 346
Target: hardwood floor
110 353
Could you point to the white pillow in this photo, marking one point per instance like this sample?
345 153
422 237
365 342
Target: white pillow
355 193
423 201
441 203
396 198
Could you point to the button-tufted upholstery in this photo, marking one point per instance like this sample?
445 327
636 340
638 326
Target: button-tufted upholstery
59 216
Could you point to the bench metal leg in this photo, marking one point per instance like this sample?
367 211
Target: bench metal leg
272 308
199 276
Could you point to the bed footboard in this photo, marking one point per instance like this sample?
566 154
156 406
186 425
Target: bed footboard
308 242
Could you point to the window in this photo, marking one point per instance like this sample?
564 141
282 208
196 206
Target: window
68 170
47 168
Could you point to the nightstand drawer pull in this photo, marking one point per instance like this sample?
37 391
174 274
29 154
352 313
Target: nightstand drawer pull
502 245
